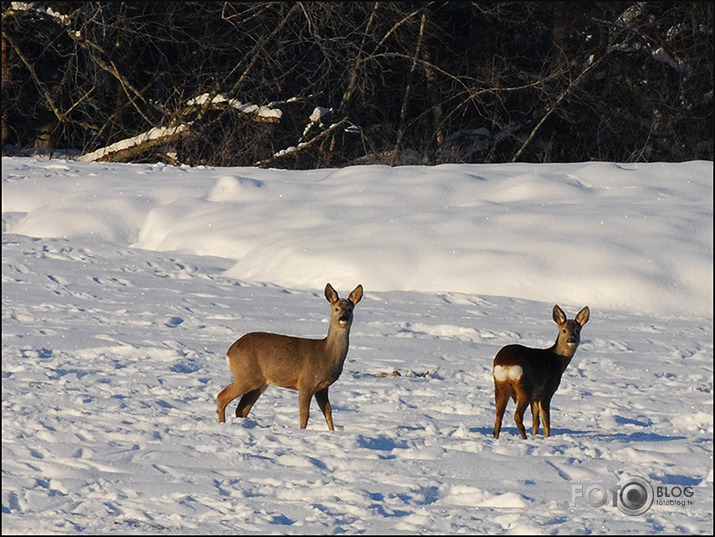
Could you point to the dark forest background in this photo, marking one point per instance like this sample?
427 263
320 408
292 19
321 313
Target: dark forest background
329 84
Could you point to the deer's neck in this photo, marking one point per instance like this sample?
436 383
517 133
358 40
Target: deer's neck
336 343
336 349
564 353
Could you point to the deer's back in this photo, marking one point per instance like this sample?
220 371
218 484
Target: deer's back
280 360
541 369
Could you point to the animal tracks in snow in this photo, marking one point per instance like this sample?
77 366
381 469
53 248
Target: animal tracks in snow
113 356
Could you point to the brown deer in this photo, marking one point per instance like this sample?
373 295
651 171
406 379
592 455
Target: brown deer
532 376
307 365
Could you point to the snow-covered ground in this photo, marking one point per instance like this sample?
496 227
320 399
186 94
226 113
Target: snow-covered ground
124 285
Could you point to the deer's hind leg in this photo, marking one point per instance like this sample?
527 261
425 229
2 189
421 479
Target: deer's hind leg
502 392
521 403
228 394
248 400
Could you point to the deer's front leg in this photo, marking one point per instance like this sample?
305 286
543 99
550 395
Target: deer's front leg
546 416
535 406
322 398
304 397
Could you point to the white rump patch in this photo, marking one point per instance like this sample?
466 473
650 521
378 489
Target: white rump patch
512 372
500 373
228 362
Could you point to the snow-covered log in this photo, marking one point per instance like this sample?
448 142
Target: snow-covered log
125 150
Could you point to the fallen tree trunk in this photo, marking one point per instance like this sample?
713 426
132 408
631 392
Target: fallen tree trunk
129 148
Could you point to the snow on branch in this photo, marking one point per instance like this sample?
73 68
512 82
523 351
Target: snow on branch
627 21
259 113
316 119
126 149
32 7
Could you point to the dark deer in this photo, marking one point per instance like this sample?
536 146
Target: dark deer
532 376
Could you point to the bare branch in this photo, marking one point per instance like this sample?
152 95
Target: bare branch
42 87
571 87
301 147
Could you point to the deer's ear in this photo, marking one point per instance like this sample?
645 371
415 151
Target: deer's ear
583 315
356 295
330 294
559 315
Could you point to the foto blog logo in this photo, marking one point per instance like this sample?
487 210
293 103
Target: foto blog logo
632 495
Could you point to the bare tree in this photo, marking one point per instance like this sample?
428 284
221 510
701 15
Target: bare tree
314 84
